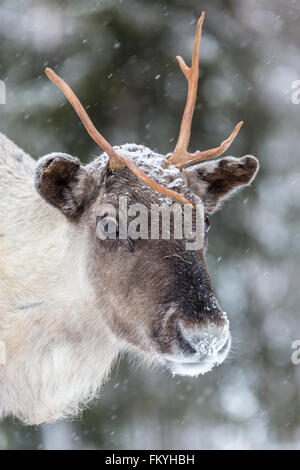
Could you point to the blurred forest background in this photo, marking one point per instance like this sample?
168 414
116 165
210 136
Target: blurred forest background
119 57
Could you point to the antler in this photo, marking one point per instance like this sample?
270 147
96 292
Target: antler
116 161
181 157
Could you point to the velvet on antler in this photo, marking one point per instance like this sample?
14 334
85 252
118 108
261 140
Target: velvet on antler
181 157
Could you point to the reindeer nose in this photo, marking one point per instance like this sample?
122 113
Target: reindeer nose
203 342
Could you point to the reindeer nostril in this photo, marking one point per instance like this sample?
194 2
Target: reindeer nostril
204 343
183 343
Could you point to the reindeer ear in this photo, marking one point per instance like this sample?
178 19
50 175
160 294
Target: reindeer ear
63 182
216 180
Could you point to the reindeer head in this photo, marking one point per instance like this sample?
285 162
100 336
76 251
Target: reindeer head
154 295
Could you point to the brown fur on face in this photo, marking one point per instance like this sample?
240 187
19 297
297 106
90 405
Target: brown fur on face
156 294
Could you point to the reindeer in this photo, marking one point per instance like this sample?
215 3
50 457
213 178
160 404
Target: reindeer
70 303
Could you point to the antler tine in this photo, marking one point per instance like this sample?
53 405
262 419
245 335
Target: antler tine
116 161
181 157
211 153
191 74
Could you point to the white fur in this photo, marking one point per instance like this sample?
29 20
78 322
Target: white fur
58 350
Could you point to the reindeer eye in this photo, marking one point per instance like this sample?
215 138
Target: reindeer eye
206 223
109 225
